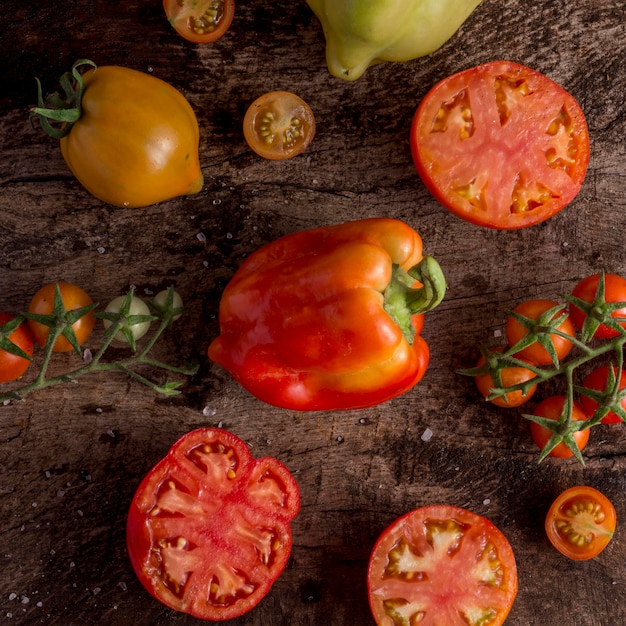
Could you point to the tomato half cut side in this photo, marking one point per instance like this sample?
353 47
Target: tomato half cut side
500 145
581 522
200 21
208 530
442 564
279 125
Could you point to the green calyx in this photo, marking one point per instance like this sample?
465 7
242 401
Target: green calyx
57 113
402 300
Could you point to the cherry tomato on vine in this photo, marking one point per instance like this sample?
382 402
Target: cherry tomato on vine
13 366
208 530
597 381
581 522
465 140
516 331
441 564
200 21
73 297
511 375
137 321
552 408
279 125
614 292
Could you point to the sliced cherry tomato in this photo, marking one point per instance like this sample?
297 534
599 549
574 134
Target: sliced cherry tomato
73 298
510 376
279 125
539 352
16 348
200 21
441 564
597 381
581 522
552 408
208 529
500 145
614 292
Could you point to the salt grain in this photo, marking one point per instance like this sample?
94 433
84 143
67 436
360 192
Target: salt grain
427 435
201 237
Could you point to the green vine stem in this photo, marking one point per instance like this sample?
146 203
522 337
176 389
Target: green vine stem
58 323
586 349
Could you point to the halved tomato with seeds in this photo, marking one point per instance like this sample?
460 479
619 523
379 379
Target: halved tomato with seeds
208 530
441 564
501 145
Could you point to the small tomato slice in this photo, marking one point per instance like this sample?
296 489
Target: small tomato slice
73 297
614 293
510 376
581 522
279 125
200 21
532 311
597 381
552 408
208 529
500 145
16 348
441 564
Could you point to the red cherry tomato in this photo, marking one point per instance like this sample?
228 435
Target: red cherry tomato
536 353
581 522
500 145
614 291
208 529
597 381
13 366
441 564
552 409
279 125
200 21
73 298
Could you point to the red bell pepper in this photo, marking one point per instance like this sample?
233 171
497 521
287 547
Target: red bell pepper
329 318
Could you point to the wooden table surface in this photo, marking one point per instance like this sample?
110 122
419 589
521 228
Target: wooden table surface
72 456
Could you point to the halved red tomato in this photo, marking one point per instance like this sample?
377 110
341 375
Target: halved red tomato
200 21
581 522
208 530
279 125
441 564
501 145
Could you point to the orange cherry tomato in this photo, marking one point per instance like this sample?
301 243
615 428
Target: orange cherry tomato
200 21
552 408
13 366
510 376
279 125
73 298
536 353
581 522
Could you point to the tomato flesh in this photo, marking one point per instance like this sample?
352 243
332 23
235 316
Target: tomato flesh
208 529
279 125
200 21
500 145
13 366
441 564
581 522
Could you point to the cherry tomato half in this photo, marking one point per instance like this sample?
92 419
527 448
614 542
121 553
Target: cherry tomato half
73 298
614 291
597 381
500 145
536 353
13 366
200 21
208 529
581 522
552 408
441 564
279 125
510 376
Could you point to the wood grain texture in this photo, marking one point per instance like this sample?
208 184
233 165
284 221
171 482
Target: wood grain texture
72 456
